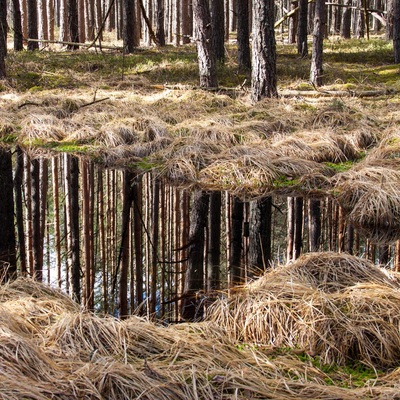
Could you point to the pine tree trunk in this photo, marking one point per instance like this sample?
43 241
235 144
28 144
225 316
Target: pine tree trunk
63 11
205 52
32 24
290 229
186 31
56 216
73 23
315 224
137 227
346 21
37 242
236 235
243 34
194 280
260 235
298 228
8 267
73 191
155 217
263 77
17 23
218 27
129 26
125 243
293 22
214 242
160 20
302 29
396 31
316 73
19 213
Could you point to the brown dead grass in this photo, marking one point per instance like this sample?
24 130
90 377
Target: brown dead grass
73 355
333 305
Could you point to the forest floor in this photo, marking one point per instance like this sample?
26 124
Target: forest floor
144 111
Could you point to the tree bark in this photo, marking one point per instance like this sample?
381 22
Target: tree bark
205 52
290 228
260 235
129 26
302 29
298 227
194 281
314 224
73 192
186 31
236 245
32 24
37 239
73 23
160 20
316 73
218 28
125 243
345 31
3 37
396 31
8 267
263 77
243 35
19 213
214 242
17 23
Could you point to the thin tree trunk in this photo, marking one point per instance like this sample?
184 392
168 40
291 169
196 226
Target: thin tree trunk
218 26
32 24
186 31
298 228
8 267
214 242
155 243
290 228
396 31
73 23
56 216
19 213
125 244
160 21
17 23
243 34
73 192
235 259
314 225
316 73
37 240
302 28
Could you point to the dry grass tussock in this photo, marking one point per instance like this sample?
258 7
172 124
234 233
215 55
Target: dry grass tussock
70 354
211 141
335 306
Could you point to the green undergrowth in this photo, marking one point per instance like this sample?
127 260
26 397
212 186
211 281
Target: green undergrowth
350 375
347 64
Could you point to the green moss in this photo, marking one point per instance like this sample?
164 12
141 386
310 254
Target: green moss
283 181
340 167
8 138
